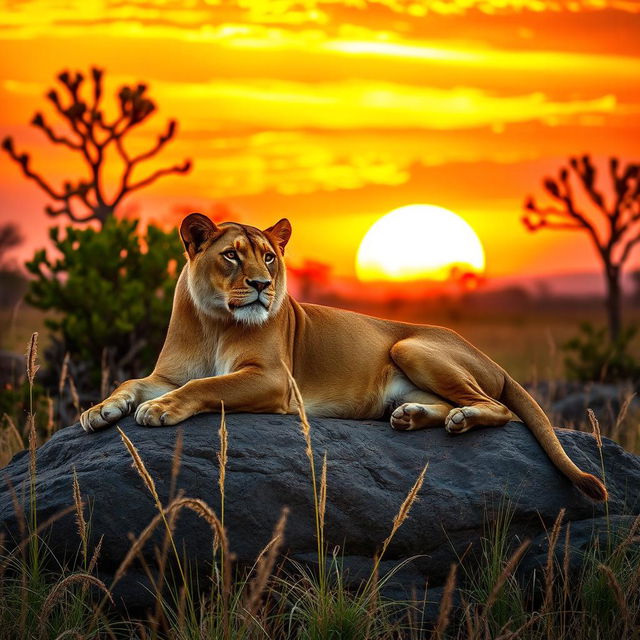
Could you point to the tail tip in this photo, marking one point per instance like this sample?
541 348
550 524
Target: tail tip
592 487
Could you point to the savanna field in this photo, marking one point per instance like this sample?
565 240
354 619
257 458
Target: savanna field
472 164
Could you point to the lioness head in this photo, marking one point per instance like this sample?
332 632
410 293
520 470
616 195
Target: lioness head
235 271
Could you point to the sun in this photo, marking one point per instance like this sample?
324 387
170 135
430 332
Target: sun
419 242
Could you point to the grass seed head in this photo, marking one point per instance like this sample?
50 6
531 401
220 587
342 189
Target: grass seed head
595 426
265 563
32 357
80 521
95 555
222 454
548 572
139 466
446 603
617 592
60 588
508 571
405 507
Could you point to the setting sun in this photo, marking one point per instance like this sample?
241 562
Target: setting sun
419 242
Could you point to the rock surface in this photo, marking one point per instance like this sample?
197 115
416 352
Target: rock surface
370 470
605 400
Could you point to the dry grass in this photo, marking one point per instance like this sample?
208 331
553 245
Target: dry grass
80 521
85 579
549 567
507 572
265 565
595 427
32 358
245 606
446 604
140 467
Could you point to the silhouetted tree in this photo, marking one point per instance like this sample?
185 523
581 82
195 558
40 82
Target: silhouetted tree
10 237
91 135
612 222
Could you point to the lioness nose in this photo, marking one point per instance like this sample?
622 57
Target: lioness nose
259 284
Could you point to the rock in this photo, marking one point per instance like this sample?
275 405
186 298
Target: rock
605 400
567 401
370 470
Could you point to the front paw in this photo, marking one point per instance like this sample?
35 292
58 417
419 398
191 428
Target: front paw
107 412
165 410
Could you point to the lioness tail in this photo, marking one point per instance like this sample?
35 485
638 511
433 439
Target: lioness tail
528 410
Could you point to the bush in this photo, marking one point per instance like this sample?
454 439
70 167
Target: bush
591 356
110 295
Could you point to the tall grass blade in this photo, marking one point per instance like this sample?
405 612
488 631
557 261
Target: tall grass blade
446 603
80 521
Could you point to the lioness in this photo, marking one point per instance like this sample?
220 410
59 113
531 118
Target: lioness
233 325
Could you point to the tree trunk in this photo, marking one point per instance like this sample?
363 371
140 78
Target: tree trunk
103 212
614 302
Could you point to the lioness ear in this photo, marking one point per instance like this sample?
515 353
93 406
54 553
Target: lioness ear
281 232
194 231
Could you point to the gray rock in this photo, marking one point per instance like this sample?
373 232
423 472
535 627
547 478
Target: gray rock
370 470
605 400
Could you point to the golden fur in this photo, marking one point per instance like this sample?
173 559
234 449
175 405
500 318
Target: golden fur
233 325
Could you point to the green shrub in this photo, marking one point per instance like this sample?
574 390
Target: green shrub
591 356
108 293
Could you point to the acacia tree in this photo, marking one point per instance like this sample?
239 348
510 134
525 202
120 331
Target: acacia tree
611 221
91 134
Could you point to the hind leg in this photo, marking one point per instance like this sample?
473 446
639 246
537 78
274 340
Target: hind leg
420 410
441 371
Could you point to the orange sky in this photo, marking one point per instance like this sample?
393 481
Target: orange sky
333 113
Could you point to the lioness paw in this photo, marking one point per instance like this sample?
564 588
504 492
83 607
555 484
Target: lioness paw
106 412
162 411
462 419
415 415
408 416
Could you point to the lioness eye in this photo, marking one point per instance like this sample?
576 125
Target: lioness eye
269 258
231 255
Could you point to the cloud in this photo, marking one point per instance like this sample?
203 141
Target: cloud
198 19
275 104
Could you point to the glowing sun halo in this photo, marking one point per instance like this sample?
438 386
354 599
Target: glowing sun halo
419 242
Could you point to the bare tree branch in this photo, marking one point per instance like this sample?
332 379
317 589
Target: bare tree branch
621 220
23 160
91 135
39 122
626 252
183 168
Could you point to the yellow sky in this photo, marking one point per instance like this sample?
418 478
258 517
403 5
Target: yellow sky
333 113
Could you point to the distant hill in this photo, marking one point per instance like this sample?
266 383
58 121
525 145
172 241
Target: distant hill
559 284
